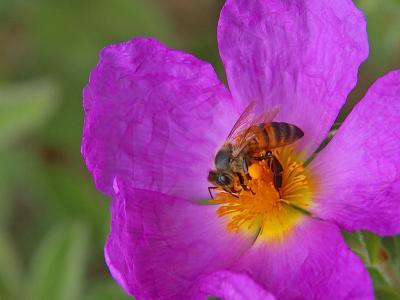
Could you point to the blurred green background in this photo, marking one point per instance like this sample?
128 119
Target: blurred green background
53 223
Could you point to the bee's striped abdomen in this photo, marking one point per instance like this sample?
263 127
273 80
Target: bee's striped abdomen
281 134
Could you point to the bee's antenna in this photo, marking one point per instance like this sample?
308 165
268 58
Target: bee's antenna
209 190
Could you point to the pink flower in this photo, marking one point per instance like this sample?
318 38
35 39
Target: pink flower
155 117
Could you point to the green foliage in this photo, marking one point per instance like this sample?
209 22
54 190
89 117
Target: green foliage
386 294
57 270
106 289
24 107
51 215
10 268
377 278
374 247
381 264
383 30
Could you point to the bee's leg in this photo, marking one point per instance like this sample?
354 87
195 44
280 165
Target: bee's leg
259 158
212 188
278 181
277 170
226 190
245 165
242 183
266 156
230 192
275 166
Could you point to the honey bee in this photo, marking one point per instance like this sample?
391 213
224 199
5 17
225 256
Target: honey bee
251 139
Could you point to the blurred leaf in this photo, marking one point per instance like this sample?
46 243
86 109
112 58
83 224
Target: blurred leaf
392 245
24 107
58 265
377 277
373 245
70 194
106 290
5 8
92 25
383 29
386 294
5 183
356 243
17 169
10 268
391 276
72 53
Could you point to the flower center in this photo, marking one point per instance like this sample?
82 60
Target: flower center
262 206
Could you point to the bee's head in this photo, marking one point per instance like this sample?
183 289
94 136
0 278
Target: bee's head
219 178
223 157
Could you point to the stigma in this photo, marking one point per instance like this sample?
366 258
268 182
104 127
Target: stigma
262 207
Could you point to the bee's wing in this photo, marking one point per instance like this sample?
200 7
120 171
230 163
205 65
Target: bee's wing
249 117
248 136
267 116
244 121
241 135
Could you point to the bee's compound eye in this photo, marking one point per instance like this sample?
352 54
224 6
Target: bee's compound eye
224 179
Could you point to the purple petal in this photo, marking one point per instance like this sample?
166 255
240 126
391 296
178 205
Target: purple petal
358 174
233 286
160 245
300 55
154 117
312 263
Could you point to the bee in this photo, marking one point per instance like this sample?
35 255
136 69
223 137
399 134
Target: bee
251 139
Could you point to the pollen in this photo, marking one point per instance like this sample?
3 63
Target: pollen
270 211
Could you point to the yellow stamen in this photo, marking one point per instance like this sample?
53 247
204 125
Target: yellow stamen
262 206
